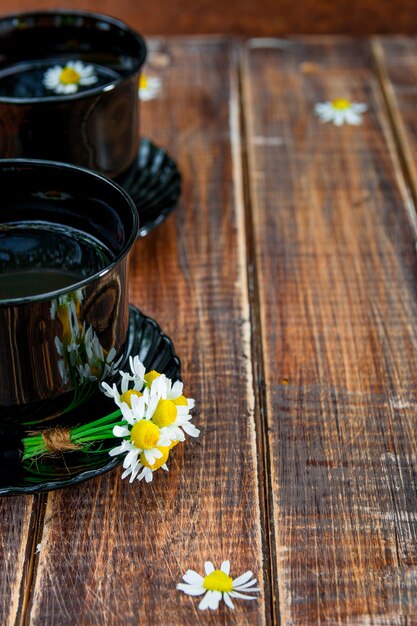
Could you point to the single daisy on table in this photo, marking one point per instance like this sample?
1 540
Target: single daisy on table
340 111
68 79
148 87
218 584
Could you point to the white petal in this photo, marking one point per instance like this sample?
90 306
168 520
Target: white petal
214 599
120 431
127 472
107 390
176 390
243 578
236 594
152 455
321 107
208 567
353 118
225 567
228 602
127 413
193 578
190 589
148 473
138 406
153 403
359 107
143 473
191 430
116 451
339 118
204 604
246 586
130 458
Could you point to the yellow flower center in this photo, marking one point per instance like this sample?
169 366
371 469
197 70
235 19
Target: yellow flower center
145 435
181 401
165 413
143 82
159 462
173 444
127 396
150 377
69 76
340 104
218 581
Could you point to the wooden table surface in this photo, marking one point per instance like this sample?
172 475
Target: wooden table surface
286 278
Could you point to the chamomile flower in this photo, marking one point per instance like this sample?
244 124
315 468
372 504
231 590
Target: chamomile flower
172 391
149 87
143 435
340 111
68 79
155 416
143 469
171 413
217 584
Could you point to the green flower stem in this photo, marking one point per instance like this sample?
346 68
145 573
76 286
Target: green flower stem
107 419
79 436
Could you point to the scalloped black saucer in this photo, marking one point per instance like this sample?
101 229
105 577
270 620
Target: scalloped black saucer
154 184
156 351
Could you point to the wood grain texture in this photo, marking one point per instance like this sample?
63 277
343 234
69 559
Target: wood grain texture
336 268
246 17
17 545
396 60
112 553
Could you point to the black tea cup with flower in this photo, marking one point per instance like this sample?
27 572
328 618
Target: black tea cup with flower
68 89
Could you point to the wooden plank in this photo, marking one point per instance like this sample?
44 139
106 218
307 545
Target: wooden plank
245 17
336 269
396 60
19 517
112 553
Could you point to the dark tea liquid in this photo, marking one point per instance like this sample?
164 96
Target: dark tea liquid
41 257
25 80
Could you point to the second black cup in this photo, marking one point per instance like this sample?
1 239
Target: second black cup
68 89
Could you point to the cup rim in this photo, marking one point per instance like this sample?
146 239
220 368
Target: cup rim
93 90
49 295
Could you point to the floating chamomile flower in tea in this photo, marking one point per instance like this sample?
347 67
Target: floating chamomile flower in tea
68 79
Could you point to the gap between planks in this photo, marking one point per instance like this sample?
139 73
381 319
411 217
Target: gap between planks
38 517
258 372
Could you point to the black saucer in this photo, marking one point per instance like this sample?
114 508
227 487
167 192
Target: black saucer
154 184
156 351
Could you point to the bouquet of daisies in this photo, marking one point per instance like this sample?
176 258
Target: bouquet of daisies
152 416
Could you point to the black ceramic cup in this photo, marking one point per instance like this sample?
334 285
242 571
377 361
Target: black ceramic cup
97 126
65 235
